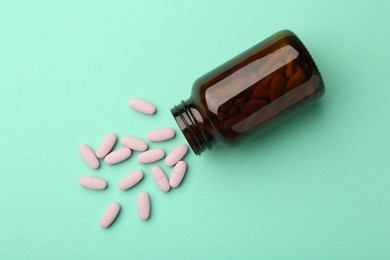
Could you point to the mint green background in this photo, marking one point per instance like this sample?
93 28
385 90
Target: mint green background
316 187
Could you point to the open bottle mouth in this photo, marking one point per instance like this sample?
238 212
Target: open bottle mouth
192 125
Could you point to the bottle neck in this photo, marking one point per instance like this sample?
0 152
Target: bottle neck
195 125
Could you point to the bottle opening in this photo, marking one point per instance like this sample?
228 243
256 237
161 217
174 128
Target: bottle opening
193 125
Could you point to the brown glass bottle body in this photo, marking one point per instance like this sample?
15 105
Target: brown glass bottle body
255 89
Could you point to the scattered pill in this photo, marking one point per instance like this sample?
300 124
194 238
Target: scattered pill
177 174
109 215
104 150
117 156
161 134
92 182
142 106
151 155
130 180
160 178
134 143
88 156
176 155
143 205
106 145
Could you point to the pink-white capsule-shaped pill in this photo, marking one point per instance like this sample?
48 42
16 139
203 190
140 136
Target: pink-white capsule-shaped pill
151 156
117 156
177 174
92 182
160 178
106 145
134 143
109 215
176 155
88 156
143 205
130 180
142 106
161 134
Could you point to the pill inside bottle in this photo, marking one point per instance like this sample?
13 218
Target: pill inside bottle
251 92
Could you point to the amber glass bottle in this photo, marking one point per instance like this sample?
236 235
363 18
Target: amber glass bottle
249 92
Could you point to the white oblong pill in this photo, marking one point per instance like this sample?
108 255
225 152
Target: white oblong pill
176 155
177 174
106 145
92 182
143 205
134 143
117 156
109 215
151 156
160 178
88 156
142 106
161 134
130 180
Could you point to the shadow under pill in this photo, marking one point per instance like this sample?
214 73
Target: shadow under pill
258 143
